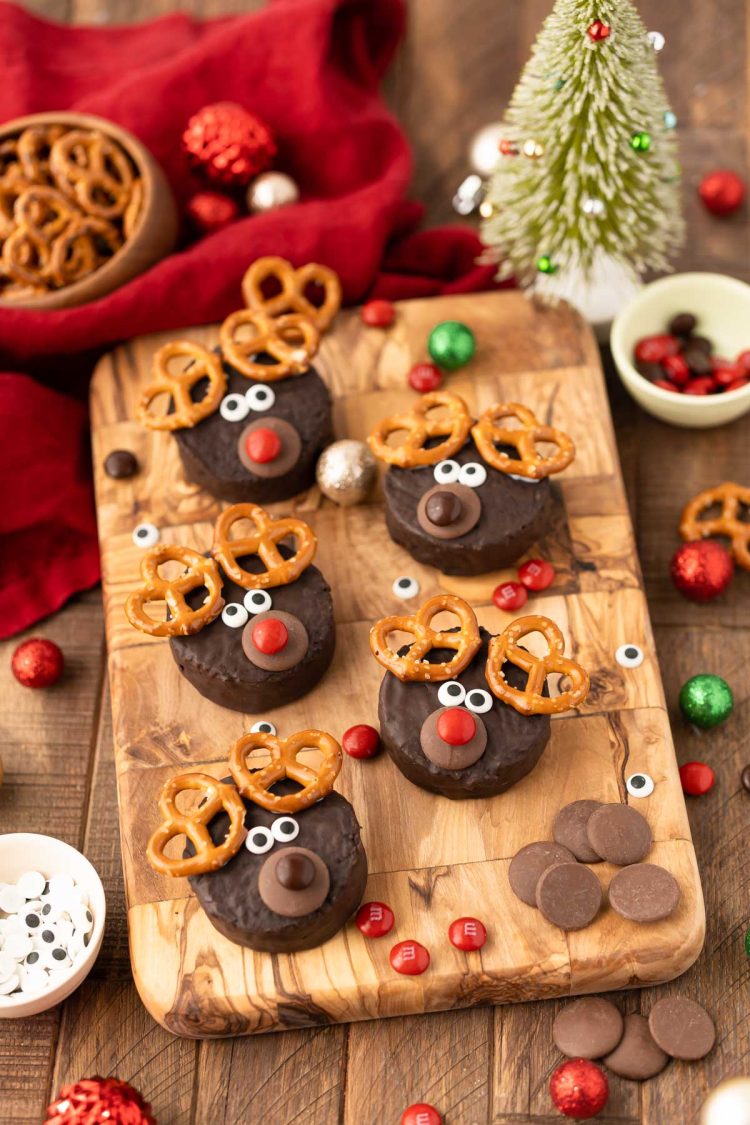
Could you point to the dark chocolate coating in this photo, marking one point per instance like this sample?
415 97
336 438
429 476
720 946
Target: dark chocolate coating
209 450
514 742
230 896
215 663
514 515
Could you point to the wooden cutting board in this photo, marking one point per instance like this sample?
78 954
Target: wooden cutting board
431 859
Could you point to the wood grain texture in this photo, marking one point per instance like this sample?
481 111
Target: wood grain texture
195 982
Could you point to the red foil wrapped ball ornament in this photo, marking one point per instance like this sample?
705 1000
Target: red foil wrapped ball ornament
702 569
37 663
99 1100
579 1089
209 211
722 192
227 144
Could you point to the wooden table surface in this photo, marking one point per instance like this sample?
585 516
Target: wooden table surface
454 74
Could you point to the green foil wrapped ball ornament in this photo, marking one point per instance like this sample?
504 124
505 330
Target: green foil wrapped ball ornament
641 142
706 700
451 344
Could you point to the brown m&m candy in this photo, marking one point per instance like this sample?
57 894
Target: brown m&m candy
682 324
636 1056
588 1028
569 829
121 464
644 892
619 834
528 865
682 1028
569 895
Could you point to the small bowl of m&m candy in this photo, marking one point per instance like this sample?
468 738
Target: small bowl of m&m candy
682 349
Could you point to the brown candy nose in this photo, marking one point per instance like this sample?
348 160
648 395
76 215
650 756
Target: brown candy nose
295 871
443 508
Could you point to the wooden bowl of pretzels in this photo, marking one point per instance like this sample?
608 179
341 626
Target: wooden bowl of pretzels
84 208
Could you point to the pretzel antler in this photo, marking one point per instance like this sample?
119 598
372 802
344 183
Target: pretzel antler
421 424
255 784
219 797
728 524
530 463
178 385
412 665
530 700
290 340
263 541
292 284
182 620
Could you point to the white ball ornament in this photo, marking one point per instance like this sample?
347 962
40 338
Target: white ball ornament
271 190
728 1103
484 152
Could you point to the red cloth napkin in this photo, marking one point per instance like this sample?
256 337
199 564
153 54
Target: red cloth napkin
311 70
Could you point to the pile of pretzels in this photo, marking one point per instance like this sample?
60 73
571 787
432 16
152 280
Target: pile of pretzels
69 199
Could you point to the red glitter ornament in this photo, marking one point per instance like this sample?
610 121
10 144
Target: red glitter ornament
425 377
361 741
696 778
95 1100
409 958
210 211
510 595
375 919
702 569
37 663
579 1089
377 314
421 1114
467 934
722 192
536 574
227 144
598 31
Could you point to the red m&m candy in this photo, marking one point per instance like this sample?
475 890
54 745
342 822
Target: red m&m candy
374 919
467 934
655 349
703 385
743 362
456 726
735 386
263 445
409 958
270 635
666 385
425 377
677 369
510 595
697 778
361 741
421 1114
536 574
378 313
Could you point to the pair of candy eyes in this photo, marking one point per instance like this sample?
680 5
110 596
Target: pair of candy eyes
454 694
261 839
235 407
236 615
450 472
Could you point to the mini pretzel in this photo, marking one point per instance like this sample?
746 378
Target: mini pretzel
255 784
420 426
731 497
529 699
40 215
79 250
413 665
219 797
291 297
94 170
33 147
262 541
183 620
187 413
488 435
290 340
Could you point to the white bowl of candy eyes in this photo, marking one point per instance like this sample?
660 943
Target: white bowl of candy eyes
51 922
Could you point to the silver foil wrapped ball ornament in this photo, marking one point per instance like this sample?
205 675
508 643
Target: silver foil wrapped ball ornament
271 190
346 472
484 150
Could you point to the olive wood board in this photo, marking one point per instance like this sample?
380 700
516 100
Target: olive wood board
433 860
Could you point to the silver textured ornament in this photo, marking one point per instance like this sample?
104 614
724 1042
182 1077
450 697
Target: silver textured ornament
593 207
270 190
346 472
469 195
656 40
728 1103
484 152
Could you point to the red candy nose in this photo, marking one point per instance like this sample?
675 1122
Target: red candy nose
270 635
456 727
263 445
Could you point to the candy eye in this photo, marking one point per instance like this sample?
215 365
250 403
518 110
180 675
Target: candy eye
234 615
640 785
263 727
257 601
260 398
451 694
629 656
405 587
285 829
234 408
259 840
146 535
446 472
479 701
472 474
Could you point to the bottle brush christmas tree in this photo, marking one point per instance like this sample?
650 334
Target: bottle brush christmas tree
587 173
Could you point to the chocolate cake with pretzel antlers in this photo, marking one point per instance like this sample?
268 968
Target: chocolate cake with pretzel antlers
252 417
463 713
251 624
463 496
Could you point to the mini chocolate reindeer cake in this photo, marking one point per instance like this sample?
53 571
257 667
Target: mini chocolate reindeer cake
467 497
302 871
251 625
252 417
441 726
